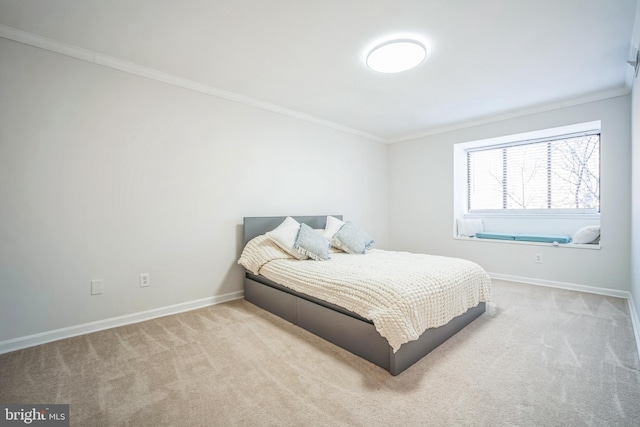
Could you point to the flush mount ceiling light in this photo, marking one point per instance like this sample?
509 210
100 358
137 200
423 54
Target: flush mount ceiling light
395 56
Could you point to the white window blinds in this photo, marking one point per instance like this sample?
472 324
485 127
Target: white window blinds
559 173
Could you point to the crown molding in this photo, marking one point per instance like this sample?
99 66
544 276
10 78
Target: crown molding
596 96
56 46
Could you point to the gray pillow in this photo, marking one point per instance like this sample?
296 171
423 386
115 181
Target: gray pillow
352 239
311 243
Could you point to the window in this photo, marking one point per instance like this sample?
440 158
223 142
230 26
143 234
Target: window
555 174
545 181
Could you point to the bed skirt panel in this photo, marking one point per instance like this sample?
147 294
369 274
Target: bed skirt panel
348 330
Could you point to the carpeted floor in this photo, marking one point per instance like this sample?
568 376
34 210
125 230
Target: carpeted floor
538 357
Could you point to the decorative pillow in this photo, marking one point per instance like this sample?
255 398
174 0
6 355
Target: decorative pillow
259 251
351 239
587 234
469 227
310 243
332 227
285 235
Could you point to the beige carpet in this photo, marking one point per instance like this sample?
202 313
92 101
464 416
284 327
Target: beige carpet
538 357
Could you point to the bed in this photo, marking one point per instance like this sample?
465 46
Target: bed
335 323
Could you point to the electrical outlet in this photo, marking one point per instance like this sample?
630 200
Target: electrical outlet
145 280
539 258
96 286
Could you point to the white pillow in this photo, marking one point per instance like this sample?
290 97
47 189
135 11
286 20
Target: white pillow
332 249
332 227
285 235
469 227
586 234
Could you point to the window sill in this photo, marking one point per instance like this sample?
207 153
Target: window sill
513 242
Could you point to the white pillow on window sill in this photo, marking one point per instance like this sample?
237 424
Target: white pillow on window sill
469 227
586 234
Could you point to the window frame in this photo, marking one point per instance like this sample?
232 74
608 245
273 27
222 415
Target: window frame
531 141
544 221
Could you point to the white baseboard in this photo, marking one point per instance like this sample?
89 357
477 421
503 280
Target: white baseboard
562 285
635 319
87 328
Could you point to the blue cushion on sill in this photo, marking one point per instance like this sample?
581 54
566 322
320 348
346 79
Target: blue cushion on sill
496 236
542 238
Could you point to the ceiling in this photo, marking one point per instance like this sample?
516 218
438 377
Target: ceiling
486 58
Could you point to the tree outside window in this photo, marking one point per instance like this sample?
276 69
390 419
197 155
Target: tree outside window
560 173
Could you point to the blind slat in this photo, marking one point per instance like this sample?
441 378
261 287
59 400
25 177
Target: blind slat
559 173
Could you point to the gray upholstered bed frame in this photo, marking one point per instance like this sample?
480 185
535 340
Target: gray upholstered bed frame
336 324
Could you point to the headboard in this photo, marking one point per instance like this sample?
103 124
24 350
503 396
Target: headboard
257 225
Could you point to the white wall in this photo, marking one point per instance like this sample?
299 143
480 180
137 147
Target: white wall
635 199
106 175
421 201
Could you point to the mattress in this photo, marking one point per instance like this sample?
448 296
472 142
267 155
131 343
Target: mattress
402 293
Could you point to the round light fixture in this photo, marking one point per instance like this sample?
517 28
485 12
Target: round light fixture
395 56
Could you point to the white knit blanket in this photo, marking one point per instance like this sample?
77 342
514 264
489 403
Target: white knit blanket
404 294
